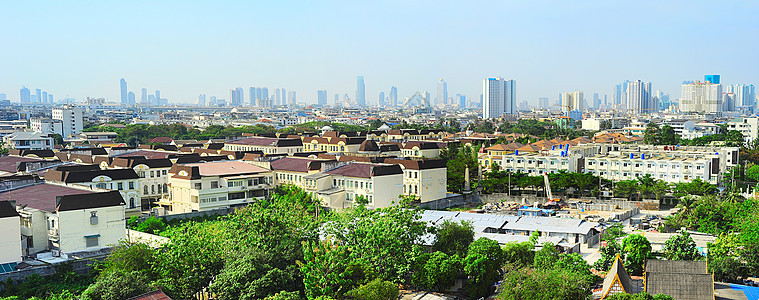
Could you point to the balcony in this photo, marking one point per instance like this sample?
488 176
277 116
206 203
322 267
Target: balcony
53 233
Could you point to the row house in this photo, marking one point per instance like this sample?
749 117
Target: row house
124 181
669 169
379 184
66 219
424 179
414 135
421 149
268 145
213 185
333 144
293 170
153 173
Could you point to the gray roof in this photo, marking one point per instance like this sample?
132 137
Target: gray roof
27 135
550 224
617 271
679 279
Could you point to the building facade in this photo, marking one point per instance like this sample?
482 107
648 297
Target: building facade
499 97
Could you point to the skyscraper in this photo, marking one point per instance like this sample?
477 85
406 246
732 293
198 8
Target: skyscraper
202 100
130 98
38 96
252 96
124 92
236 97
44 97
291 98
278 98
745 95
639 97
157 97
703 97
144 96
462 100
573 101
50 98
442 93
543 103
381 100
321 98
25 95
393 96
360 91
498 97
284 97
265 93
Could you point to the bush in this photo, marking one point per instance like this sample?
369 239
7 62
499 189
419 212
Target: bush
376 290
116 286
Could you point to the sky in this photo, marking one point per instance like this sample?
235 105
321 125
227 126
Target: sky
185 48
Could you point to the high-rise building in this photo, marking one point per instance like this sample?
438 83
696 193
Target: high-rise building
202 100
50 98
291 98
284 97
130 98
499 95
728 101
360 91
44 97
704 97
3 96
212 101
745 95
265 93
462 100
573 101
381 100
442 92
157 97
544 103
321 98
639 99
25 96
144 96
71 117
124 92
393 96
38 96
712 79
252 96
596 101
337 99
236 97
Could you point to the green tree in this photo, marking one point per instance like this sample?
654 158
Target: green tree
437 271
609 253
636 249
546 257
681 247
652 135
329 270
453 238
519 254
117 286
253 276
482 266
668 136
539 284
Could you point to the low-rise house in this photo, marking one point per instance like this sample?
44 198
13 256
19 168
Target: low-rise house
153 173
67 218
29 140
333 144
379 184
125 181
269 145
421 149
219 184
293 170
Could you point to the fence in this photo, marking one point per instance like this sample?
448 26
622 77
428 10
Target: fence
79 266
451 201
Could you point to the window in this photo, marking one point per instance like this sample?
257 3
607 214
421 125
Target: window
198 185
214 184
165 187
145 187
93 218
160 188
152 174
131 185
120 186
91 241
100 185
152 189
229 184
163 172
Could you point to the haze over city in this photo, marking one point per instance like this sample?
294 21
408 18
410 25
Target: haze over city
188 48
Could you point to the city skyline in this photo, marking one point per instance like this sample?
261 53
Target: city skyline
184 58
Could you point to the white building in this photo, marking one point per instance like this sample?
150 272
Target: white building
573 101
67 218
749 127
212 185
266 144
424 179
125 181
745 95
46 126
702 97
71 116
10 236
498 97
379 184
28 140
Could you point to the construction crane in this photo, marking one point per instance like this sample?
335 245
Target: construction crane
548 187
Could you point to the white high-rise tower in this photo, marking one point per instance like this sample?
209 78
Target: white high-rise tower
498 99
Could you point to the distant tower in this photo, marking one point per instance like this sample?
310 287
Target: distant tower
130 98
393 96
202 100
157 96
26 96
321 98
442 93
714 79
144 96
381 99
124 92
360 91
38 96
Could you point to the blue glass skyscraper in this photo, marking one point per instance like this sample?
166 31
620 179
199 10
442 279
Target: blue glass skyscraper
360 91
712 78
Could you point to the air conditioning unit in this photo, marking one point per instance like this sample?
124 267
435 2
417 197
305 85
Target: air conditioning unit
56 253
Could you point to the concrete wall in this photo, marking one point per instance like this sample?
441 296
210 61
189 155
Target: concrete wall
450 201
75 225
10 240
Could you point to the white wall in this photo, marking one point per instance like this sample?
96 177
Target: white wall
75 225
10 240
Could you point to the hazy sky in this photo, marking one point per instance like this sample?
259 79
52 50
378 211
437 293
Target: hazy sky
185 48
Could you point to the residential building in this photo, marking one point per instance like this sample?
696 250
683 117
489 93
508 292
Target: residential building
748 126
701 97
10 236
679 279
442 93
639 99
67 219
124 92
28 140
379 184
46 126
499 97
744 95
420 149
219 184
269 145
293 170
321 99
125 181
425 179
71 116
332 144
153 174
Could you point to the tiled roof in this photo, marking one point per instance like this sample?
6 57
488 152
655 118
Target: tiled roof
422 164
223 168
149 154
364 170
296 164
7 210
162 139
94 200
41 196
265 141
9 163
